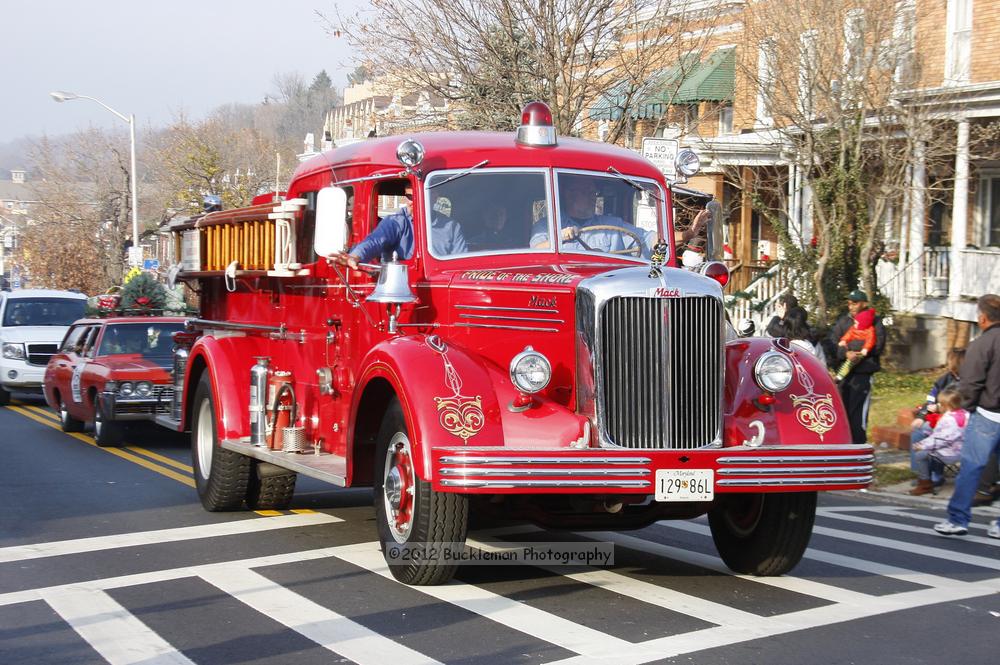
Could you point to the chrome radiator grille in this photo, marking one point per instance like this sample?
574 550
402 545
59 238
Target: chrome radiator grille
660 372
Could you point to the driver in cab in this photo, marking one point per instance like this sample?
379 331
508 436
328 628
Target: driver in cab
579 217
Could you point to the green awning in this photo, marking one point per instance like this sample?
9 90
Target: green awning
688 82
712 81
638 100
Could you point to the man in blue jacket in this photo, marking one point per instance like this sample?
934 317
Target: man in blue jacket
394 234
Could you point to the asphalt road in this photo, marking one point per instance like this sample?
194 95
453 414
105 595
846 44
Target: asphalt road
106 556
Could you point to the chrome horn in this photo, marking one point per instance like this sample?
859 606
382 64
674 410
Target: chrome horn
393 286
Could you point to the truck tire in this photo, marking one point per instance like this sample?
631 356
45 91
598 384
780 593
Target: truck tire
270 487
763 534
4 397
68 423
412 518
220 476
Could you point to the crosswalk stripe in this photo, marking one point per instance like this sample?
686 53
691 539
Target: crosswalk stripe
96 544
150 577
909 528
795 584
500 609
652 594
855 537
114 633
325 627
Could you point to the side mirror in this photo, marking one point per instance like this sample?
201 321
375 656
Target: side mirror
746 328
713 249
331 221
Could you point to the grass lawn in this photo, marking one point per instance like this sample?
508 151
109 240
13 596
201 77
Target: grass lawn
894 390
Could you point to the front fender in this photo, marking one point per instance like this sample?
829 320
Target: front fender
809 411
446 394
227 361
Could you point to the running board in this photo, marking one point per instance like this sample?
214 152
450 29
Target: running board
326 467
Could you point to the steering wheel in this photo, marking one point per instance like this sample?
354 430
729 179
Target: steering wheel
635 250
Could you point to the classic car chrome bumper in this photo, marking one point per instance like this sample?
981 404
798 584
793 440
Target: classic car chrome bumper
736 469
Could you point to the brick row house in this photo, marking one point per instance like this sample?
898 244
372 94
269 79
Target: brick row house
733 95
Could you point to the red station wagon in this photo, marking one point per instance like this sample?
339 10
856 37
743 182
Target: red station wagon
109 371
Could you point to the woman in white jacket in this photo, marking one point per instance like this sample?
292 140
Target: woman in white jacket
943 445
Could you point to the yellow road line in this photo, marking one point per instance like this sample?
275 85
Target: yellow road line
162 459
42 411
169 473
302 511
269 513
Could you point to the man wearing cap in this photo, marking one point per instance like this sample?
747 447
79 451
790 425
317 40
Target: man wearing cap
856 387
979 384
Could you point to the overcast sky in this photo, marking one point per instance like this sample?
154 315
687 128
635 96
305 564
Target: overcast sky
153 58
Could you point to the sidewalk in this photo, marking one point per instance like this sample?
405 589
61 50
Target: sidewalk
899 493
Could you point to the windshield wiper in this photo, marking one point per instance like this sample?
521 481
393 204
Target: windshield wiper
622 176
460 174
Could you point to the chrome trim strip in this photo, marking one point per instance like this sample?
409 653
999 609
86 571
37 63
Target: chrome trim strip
487 325
481 459
473 471
510 318
511 484
736 471
791 482
509 309
799 459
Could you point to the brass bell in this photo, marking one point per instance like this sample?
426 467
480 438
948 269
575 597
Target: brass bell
393 286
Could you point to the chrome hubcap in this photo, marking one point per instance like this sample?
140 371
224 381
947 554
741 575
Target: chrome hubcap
204 441
398 488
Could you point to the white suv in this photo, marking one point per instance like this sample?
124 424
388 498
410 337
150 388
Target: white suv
32 325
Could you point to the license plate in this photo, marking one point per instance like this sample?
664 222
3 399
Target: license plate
685 485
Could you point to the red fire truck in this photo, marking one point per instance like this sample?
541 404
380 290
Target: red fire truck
524 348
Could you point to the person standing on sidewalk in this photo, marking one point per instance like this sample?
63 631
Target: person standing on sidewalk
856 388
979 384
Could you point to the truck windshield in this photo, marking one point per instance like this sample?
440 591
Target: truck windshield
605 215
152 340
43 311
503 210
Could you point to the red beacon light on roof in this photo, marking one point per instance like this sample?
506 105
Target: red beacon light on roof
536 125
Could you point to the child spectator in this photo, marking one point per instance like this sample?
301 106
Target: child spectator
859 337
944 445
928 413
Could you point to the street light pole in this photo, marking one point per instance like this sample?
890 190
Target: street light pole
61 96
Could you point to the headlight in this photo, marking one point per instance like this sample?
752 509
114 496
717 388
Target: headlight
143 388
773 371
687 162
530 371
126 389
13 351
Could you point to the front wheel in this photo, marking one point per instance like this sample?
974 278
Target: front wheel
220 476
4 397
67 422
106 432
763 534
414 521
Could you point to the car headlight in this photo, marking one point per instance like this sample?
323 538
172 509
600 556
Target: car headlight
773 371
13 351
143 388
126 389
530 371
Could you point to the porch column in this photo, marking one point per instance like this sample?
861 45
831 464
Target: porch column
959 212
918 198
746 219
